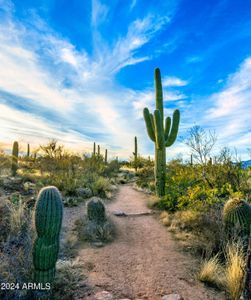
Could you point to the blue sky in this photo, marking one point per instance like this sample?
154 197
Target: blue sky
82 71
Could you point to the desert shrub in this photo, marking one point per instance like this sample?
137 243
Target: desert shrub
111 168
5 212
201 186
145 178
69 279
16 251
96 226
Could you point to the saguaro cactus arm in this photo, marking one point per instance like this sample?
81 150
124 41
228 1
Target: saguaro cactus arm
149 124
171 137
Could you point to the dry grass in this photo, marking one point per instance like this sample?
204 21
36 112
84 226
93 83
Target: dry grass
234 272
91 231
69 279
152 202
211 272
17 217
165 218
206 232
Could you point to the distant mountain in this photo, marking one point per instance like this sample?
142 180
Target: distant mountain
245 164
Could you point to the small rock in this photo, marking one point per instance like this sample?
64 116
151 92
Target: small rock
98 244
84 192
172 297
104 296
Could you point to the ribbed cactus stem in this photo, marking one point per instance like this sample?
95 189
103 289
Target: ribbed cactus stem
237 217
163 134
14 164
96 211
48 221
106 154
135 153
98 151
191 159
28 150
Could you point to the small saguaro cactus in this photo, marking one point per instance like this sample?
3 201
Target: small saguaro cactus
106 154
162 135
14 164
96 210
98 151
94 149
135 153
237 217
191 159
48 221
28 150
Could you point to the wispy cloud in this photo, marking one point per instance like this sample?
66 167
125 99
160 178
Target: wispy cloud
48 73
230 112
174 81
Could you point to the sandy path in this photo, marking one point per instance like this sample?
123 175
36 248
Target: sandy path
143 262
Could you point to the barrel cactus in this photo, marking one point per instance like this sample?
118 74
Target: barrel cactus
48 221
96 210
237 217
162 132
14 164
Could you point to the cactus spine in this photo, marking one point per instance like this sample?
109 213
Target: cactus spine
48 221
162 135
135 153
14 164
105 156
237 217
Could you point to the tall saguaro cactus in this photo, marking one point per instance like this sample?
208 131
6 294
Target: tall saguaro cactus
48 221
135 153
163 135
98 151
14 164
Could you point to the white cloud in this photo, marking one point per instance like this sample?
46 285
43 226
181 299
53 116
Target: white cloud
99 12
38 65
173 81
230 110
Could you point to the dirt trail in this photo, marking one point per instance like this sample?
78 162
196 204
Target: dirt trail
144 261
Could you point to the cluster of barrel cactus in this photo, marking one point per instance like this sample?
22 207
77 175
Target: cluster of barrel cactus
162 135
48 221
237 217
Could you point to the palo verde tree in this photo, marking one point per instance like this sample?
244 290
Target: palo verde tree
163 135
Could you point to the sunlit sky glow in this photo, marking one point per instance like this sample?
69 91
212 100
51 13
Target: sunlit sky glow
82 71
